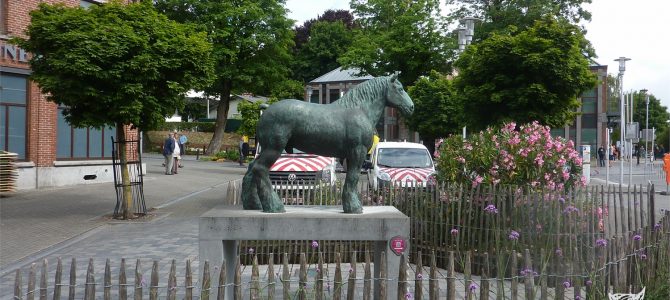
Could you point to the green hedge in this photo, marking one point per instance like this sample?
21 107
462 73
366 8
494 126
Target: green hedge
231 126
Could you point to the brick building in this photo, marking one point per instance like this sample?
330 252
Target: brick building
51 152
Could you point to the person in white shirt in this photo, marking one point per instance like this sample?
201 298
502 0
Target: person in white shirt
176 156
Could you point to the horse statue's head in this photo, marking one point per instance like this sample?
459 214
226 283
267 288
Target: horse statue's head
397 97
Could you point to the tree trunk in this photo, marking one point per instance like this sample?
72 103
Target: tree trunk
221 118
127 203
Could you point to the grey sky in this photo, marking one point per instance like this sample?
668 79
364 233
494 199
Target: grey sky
637 29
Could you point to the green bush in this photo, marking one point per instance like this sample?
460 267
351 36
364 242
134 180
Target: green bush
227 155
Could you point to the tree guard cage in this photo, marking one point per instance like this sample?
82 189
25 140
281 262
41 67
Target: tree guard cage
136 182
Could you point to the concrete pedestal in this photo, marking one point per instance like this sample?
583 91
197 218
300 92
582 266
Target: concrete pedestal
222 227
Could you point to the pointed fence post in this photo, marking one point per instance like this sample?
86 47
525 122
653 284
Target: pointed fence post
351 289
73 279
57 279
367 280
302 280
286 277
139 280
221 293
17 284
43 280
188 281
271 277
123 290
418 277
529 280
255 291
206 282
30 294
90 282
153 289
337 285
107 281
403 286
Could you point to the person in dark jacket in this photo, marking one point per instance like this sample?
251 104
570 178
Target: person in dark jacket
601 156
168 150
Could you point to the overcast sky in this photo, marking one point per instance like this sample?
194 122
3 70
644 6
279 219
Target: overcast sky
637 29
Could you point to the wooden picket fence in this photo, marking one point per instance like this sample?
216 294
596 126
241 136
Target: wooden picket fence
620 265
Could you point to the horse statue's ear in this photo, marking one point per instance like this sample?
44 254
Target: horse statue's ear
394 76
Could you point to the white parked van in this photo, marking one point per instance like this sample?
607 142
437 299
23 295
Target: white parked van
400 164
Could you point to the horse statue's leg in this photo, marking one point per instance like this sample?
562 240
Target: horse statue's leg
350 201
261 180
250 198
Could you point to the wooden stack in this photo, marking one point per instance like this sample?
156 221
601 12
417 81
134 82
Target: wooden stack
8 173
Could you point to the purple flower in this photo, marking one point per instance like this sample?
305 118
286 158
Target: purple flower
408 295
566 284
513 235
472 287
570 209
589 282
251 250
657 226
454 232
637 237
491 209
315 244
351 270
419 276
578 297
601 242
643 256
559 252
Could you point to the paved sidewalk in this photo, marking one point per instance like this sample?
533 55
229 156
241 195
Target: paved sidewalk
40 220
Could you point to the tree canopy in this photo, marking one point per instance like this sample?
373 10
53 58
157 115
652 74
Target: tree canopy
398 35
658 114
251 41
436 108
115 64
327 41
500 14
535 74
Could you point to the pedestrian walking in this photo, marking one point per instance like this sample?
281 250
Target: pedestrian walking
240 148
183 139
601 156
168 149
176 154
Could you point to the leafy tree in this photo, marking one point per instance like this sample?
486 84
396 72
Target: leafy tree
436 108
251 112
399 35
251 41
658 114
288 89
534 74
303 32
115 65
498 15
328 40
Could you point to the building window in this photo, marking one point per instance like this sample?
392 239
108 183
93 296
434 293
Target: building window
314 98
589 121
589 105
13 99
82 143
334 95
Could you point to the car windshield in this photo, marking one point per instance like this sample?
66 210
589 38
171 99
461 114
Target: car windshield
295 151
404 158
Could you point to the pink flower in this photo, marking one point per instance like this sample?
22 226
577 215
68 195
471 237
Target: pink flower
460 159
478 180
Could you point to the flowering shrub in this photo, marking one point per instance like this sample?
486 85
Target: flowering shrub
529 156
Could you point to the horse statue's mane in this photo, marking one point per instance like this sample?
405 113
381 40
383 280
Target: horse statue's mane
363 93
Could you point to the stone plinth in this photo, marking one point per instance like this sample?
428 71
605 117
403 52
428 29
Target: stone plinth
222 227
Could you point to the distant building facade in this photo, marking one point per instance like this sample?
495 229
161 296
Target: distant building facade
50 151
331 86
590 127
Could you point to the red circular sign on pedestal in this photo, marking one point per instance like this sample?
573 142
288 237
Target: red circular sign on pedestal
398 245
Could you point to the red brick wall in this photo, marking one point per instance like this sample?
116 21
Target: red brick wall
42 118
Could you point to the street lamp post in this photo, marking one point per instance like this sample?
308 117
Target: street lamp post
622 68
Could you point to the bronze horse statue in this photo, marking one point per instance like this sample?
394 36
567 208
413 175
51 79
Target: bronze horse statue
342 129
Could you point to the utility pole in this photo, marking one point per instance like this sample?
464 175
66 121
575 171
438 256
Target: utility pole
622 68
